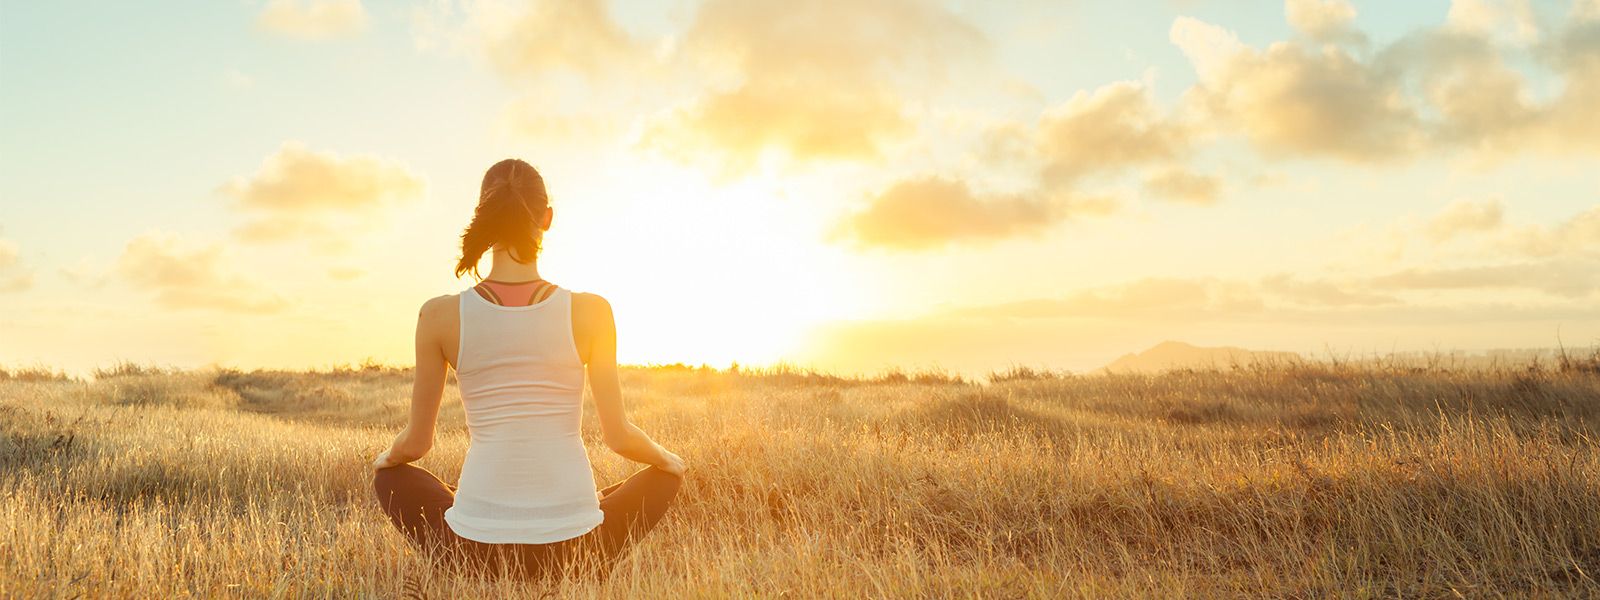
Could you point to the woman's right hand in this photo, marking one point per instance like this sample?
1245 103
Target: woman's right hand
671 463
383 461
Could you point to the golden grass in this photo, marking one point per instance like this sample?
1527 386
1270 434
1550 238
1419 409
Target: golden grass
1303 481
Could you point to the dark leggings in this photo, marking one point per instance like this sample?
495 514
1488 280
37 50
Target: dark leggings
415 501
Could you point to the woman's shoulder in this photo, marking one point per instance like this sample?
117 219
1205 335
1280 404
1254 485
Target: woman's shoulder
589 307
588 300
439 306
438 317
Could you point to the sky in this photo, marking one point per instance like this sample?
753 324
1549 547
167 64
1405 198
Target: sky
846 185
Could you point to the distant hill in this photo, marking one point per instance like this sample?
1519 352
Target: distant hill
1178 355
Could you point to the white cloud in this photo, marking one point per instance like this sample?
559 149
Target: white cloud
578 36
1115 127
1291 99
1092 136
1510 20
1576 236
299 192
1458 86
1211 49
1586 9
184 276
1321 19
932 212
1560 277
1464 216
812 80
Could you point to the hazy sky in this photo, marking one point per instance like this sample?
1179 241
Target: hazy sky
838 183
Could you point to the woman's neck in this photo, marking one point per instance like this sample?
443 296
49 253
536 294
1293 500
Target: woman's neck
504 268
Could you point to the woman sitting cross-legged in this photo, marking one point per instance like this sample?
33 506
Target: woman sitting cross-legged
526 503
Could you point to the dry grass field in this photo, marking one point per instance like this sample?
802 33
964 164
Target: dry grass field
1294 480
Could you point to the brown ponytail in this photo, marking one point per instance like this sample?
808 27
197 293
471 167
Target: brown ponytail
511 202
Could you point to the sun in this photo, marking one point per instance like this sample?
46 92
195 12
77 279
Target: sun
699 271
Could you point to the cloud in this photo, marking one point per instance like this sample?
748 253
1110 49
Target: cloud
1586 10
1092 136
1209 48
578 76
573 36
185 277
1465 74
1577 236
826 123
1184 186
1323 20
1560 259
1481 103
1291 99
1459 85
313 19
821 80
1569 278
1465 216
14 277
297 179
1475 237
298 192
1576 54
1115 127
932 212
810 80
1511 20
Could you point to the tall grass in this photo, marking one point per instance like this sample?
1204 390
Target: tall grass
1286 480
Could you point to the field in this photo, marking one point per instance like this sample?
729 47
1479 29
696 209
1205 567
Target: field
1303 480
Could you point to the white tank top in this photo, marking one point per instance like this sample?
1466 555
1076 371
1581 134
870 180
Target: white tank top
526 478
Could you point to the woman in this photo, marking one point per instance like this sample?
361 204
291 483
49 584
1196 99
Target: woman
521 347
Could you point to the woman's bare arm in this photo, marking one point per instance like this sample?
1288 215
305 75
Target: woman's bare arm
600 357
427 389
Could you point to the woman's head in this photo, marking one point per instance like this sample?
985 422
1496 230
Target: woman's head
513 212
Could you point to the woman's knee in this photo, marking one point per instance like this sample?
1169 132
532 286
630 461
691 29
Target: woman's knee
664 484
659 472
386 480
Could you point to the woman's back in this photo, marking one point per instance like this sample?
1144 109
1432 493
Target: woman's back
526 490
526 478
